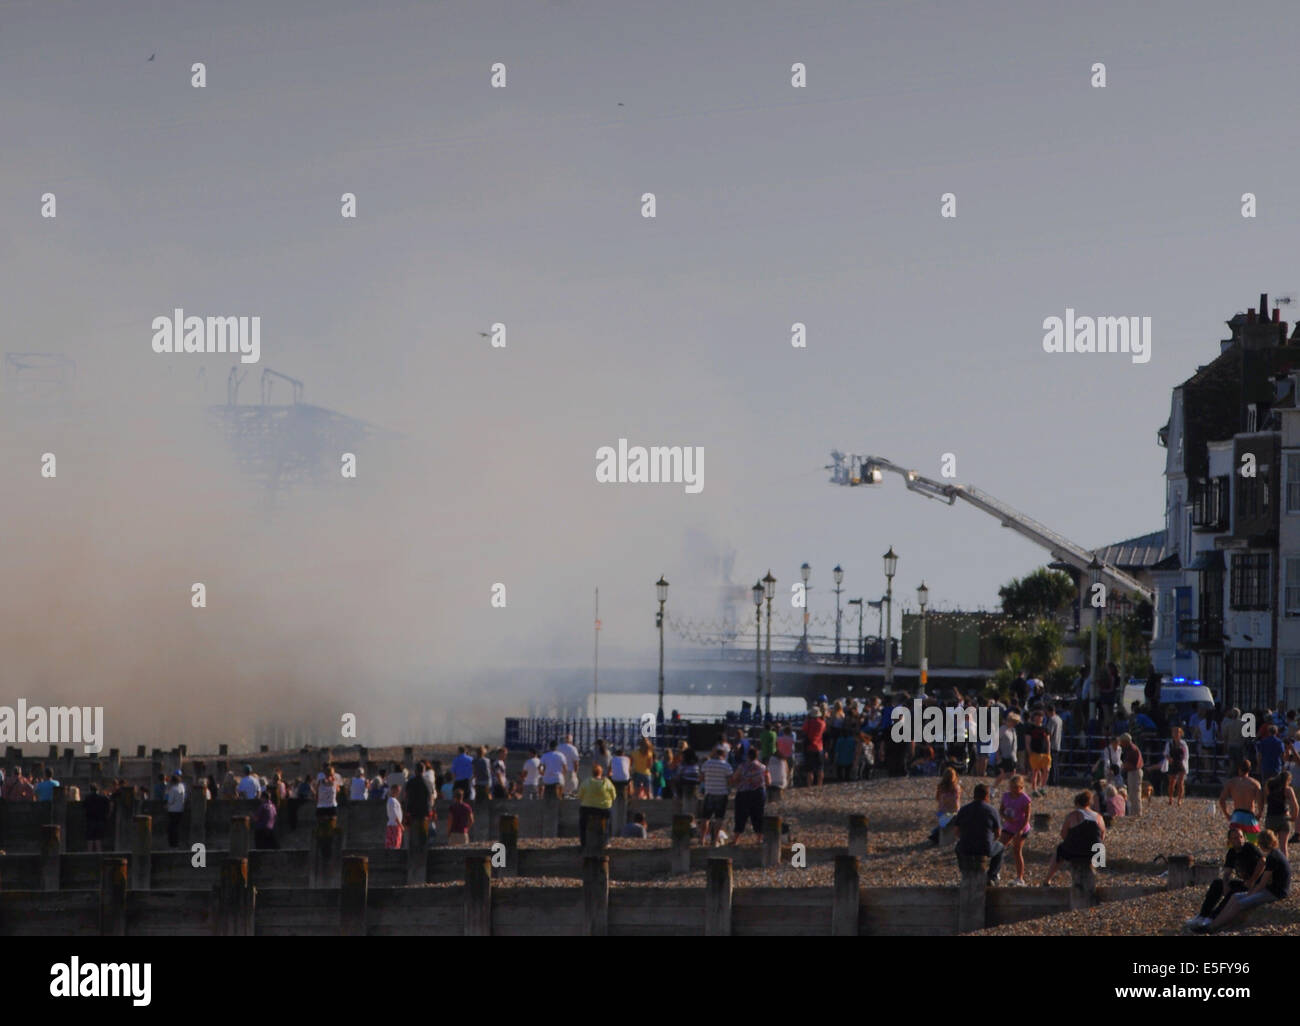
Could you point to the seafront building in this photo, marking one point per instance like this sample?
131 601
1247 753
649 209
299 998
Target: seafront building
1227 582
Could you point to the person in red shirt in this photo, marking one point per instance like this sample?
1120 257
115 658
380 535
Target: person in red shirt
814 730
460 817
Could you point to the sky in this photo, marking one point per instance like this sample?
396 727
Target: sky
523 205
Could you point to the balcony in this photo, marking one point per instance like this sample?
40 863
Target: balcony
1201 633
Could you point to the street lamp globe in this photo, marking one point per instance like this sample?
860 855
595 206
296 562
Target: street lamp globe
758 593
661 586
923 595
805 572
838 574
769 583
891 562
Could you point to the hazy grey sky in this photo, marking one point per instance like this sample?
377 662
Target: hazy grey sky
522 205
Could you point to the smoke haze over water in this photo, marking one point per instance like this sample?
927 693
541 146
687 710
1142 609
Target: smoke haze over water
522 206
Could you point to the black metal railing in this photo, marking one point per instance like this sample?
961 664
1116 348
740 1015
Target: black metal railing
525 733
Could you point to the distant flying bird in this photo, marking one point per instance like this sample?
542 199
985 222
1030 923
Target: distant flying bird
620 105
485 334
151 57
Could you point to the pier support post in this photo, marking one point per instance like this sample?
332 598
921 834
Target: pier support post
846 899
1083 884
123 814
142 854
478 896
112 898
971 892
509 833
51 844
352 896
1180 871
717 898
771 841
238 837
1134 793
859 840
234 900
595 895
680 858
417 852
326 850
198 813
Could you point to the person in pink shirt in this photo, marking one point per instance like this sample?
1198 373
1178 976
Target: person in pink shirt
1015 823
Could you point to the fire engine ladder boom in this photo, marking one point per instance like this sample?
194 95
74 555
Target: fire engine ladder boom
853 470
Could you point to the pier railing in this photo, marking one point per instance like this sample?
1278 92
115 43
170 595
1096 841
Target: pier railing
525 733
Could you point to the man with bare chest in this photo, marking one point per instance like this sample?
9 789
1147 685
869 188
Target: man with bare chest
1241 801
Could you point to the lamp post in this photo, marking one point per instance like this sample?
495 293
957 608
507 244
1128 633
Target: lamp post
923 598
769 592
861 605
891 566
661 589
805 571
1094 578
838 574
758 644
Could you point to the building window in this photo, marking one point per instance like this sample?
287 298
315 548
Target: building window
1251 683
1291 681
1249 588
1167 618
1293 482
1209 503
1292 597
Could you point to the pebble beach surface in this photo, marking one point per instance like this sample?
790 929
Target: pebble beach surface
901 813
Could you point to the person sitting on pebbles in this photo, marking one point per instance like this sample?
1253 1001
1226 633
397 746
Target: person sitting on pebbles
1273 883
1081 830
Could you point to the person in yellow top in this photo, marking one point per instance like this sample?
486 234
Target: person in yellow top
595 799
643 760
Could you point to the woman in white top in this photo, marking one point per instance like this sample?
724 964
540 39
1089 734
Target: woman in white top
327 794
620 771
393 831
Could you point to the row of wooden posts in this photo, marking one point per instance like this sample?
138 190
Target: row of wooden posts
327 848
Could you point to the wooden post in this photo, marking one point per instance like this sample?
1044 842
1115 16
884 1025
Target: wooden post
417 852
112 898
858 837
680 858
594 842
846 898
970 892
684 799
618 814
51 847
234 900
595 895
1134 793
478 896
198 796
481 831
1042 822
326 850
509 831
550 815
221 750
1083 883
717 898
142 854
771 841
352 898
59 813
1180 871
123 813
69 759
239 837
114 768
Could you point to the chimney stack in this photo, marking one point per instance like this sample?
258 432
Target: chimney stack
1250 315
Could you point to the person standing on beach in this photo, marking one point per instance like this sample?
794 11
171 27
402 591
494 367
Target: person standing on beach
814 733
460 817
1176 759
572 758
555 770
98 812
715 785
978 827
751 781
393 830
1241 801
264 823
175 809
